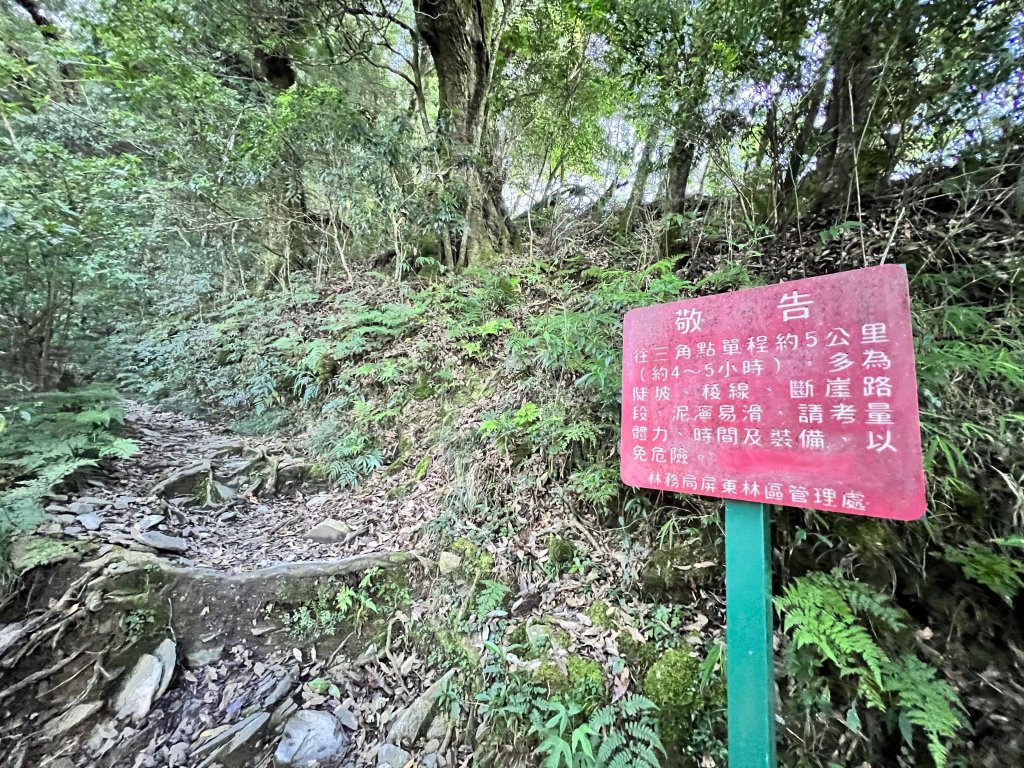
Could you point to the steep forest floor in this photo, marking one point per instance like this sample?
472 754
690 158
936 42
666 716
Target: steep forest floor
402 517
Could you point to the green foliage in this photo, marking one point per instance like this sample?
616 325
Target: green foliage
136 623
598 485
626 734
1000 573
970 365
549 430
566 716
601 614
840 620
618 735
48 438
560 741
490 597
266 423
178 220
8 575
349 459
333 605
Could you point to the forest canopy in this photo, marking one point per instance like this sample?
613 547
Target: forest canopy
311 136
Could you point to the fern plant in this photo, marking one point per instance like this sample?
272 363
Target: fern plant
626 734
840 620
51 437
623 734
490 597
349 459
999 572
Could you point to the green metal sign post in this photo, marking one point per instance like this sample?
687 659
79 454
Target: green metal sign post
748 606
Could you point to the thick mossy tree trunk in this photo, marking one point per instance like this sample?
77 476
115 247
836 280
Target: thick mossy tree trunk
458 34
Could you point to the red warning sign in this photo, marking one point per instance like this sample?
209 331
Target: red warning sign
801 394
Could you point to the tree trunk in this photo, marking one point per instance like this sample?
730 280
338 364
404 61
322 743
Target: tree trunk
680 163
845 121
457 34
39 17
787 185
643 172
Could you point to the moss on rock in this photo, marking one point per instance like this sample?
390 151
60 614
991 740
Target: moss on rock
602 614
638 655
673 683
586 682
552 678
670 573
583 682
28 552
475 562
516 637
405 446
421 469
560 551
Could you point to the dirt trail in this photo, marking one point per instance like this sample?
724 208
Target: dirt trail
159 614
260 514
174 585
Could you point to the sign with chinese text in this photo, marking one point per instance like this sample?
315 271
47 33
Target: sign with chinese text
801 394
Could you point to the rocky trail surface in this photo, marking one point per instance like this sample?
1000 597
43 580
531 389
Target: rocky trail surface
227 503
179 554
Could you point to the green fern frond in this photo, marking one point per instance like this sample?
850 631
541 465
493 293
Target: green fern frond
55 435
838 619
627 733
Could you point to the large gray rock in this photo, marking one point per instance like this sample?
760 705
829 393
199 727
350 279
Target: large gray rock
74 716
163 542
167 654
438 729
448 563
136 695
410 723
94 501
225 492
318 501
391 756
150 521
90 521
229 740
329 530
201 656
309 737
184 481
147 682
247 729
